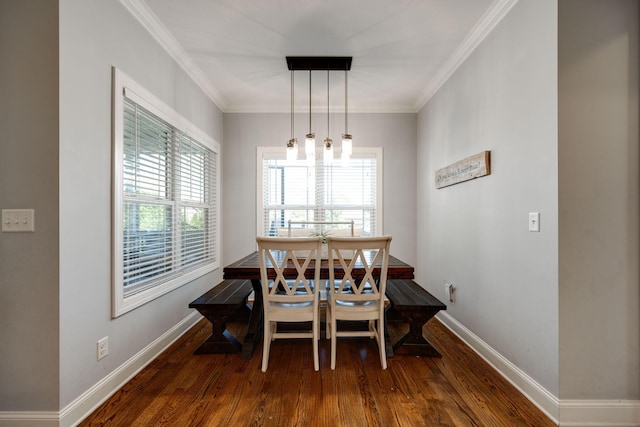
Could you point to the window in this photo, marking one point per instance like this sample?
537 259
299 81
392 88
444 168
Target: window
336 193
165 204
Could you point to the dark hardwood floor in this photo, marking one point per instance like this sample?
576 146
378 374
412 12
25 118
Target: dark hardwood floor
182 389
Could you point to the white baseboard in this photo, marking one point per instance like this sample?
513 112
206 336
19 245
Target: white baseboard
29 419
565 413
537 394
609 413
99 393
86 403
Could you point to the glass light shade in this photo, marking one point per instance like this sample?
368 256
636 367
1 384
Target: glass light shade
328 151
292 150
310 148
310 142
347 145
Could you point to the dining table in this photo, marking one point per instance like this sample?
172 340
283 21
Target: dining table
248 268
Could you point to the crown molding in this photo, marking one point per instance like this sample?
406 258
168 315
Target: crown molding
152 24
483 27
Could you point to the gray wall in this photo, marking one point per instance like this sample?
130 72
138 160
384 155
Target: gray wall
598 193
243 133
29 179
94 36
562 305
475 234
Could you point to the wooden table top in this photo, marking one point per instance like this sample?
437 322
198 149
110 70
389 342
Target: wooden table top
249 268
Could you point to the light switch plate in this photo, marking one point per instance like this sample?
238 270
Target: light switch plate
534 221
17 220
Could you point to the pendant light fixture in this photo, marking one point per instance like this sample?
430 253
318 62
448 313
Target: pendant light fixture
292 145
328 142
310 138
347 142
328 63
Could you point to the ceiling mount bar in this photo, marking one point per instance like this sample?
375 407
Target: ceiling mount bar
327 63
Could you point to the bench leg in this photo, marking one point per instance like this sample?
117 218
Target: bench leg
254 329
221 340
413 343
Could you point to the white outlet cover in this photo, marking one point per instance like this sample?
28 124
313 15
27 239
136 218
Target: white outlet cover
534 221
103 347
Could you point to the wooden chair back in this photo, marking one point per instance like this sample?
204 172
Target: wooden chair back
283 270
288 293
357 282
367 255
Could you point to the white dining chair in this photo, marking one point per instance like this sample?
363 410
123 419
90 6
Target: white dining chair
288 294
355 290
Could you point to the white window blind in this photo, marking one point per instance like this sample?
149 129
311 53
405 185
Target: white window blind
166 199
320 193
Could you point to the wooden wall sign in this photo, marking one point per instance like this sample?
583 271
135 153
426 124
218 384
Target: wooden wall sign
470 168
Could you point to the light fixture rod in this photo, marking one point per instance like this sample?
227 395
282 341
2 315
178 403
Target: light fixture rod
346 101
327 103
292 104
309 101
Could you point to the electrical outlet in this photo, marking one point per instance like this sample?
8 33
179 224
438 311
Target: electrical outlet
103 347
534 221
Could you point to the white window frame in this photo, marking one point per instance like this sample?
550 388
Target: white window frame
124 85
280 153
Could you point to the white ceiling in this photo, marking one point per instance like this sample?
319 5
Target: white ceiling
402 50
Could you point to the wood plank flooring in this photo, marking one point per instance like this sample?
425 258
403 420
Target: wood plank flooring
182 389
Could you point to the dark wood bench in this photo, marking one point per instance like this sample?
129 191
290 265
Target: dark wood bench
413 304
218 305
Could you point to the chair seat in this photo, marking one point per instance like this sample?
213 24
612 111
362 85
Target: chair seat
290 305
357 305
364 305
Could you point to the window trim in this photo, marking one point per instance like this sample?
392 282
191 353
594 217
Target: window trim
123 84
280 153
